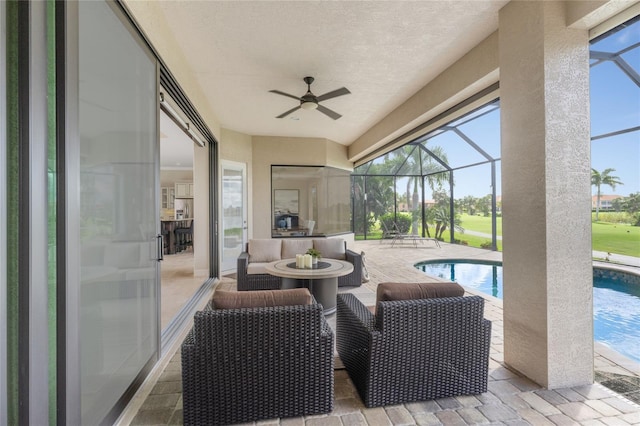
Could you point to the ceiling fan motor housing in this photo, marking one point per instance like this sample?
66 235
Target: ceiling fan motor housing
309 97
310 101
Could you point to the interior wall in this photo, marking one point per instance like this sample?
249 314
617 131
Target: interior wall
201 209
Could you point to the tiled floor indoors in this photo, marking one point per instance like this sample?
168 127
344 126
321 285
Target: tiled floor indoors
511 399
179 283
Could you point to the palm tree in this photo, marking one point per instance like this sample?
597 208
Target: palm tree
603 178
419 164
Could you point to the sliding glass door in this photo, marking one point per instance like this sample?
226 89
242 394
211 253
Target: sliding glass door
117 223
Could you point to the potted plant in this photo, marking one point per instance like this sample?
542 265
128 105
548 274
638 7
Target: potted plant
315 255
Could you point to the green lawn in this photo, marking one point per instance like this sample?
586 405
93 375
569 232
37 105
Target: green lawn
480 224
475 241
616 238
608 237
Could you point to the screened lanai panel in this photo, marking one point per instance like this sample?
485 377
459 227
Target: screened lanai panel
466 150
457 151
358 205
615 109
621 153
473 181
388 164
615 81
362 169
380 198
614 96
484 129
433 160
411 161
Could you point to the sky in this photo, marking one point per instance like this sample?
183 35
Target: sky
615 105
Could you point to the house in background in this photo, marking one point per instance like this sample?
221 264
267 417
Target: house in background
606 201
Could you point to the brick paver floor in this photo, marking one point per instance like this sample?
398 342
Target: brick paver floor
510 400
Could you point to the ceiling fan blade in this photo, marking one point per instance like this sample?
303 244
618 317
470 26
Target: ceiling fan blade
284 94
334 94
284 114
328 112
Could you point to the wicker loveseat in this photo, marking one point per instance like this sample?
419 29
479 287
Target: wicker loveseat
246 364
414 350
251 274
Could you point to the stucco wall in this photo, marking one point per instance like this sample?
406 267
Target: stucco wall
201 209
546 227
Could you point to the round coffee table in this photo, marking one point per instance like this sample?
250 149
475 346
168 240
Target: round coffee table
322 281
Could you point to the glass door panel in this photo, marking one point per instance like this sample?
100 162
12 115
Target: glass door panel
118 209
234 222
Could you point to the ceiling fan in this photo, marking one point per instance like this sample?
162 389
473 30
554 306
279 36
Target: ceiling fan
311 101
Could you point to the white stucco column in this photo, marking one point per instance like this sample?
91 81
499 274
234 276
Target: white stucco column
546 193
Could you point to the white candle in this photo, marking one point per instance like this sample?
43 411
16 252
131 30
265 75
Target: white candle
307 261
299 261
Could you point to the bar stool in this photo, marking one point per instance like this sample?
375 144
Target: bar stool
165 238
184 237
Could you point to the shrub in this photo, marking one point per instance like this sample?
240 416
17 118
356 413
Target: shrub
402 220
613 217
360 224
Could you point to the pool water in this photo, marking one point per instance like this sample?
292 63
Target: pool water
616 298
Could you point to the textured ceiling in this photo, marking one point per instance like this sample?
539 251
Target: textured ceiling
383 52
176 148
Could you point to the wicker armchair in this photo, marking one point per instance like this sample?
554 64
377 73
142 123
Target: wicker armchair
414 350
242 365
246 281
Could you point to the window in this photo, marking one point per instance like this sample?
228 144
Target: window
310 200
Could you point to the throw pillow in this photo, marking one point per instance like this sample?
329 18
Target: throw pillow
223 299
264 250
411 291
293 246
332 248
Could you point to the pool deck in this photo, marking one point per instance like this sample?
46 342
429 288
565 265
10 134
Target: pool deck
511 399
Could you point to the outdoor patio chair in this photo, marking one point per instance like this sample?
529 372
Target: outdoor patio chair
414 350
389 232
263 361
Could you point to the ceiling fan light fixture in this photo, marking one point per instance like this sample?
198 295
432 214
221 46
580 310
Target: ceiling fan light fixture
310 101
308 105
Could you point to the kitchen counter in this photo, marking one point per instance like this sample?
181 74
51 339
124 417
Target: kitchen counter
167 226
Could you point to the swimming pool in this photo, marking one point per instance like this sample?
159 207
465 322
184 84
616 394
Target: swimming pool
616 298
